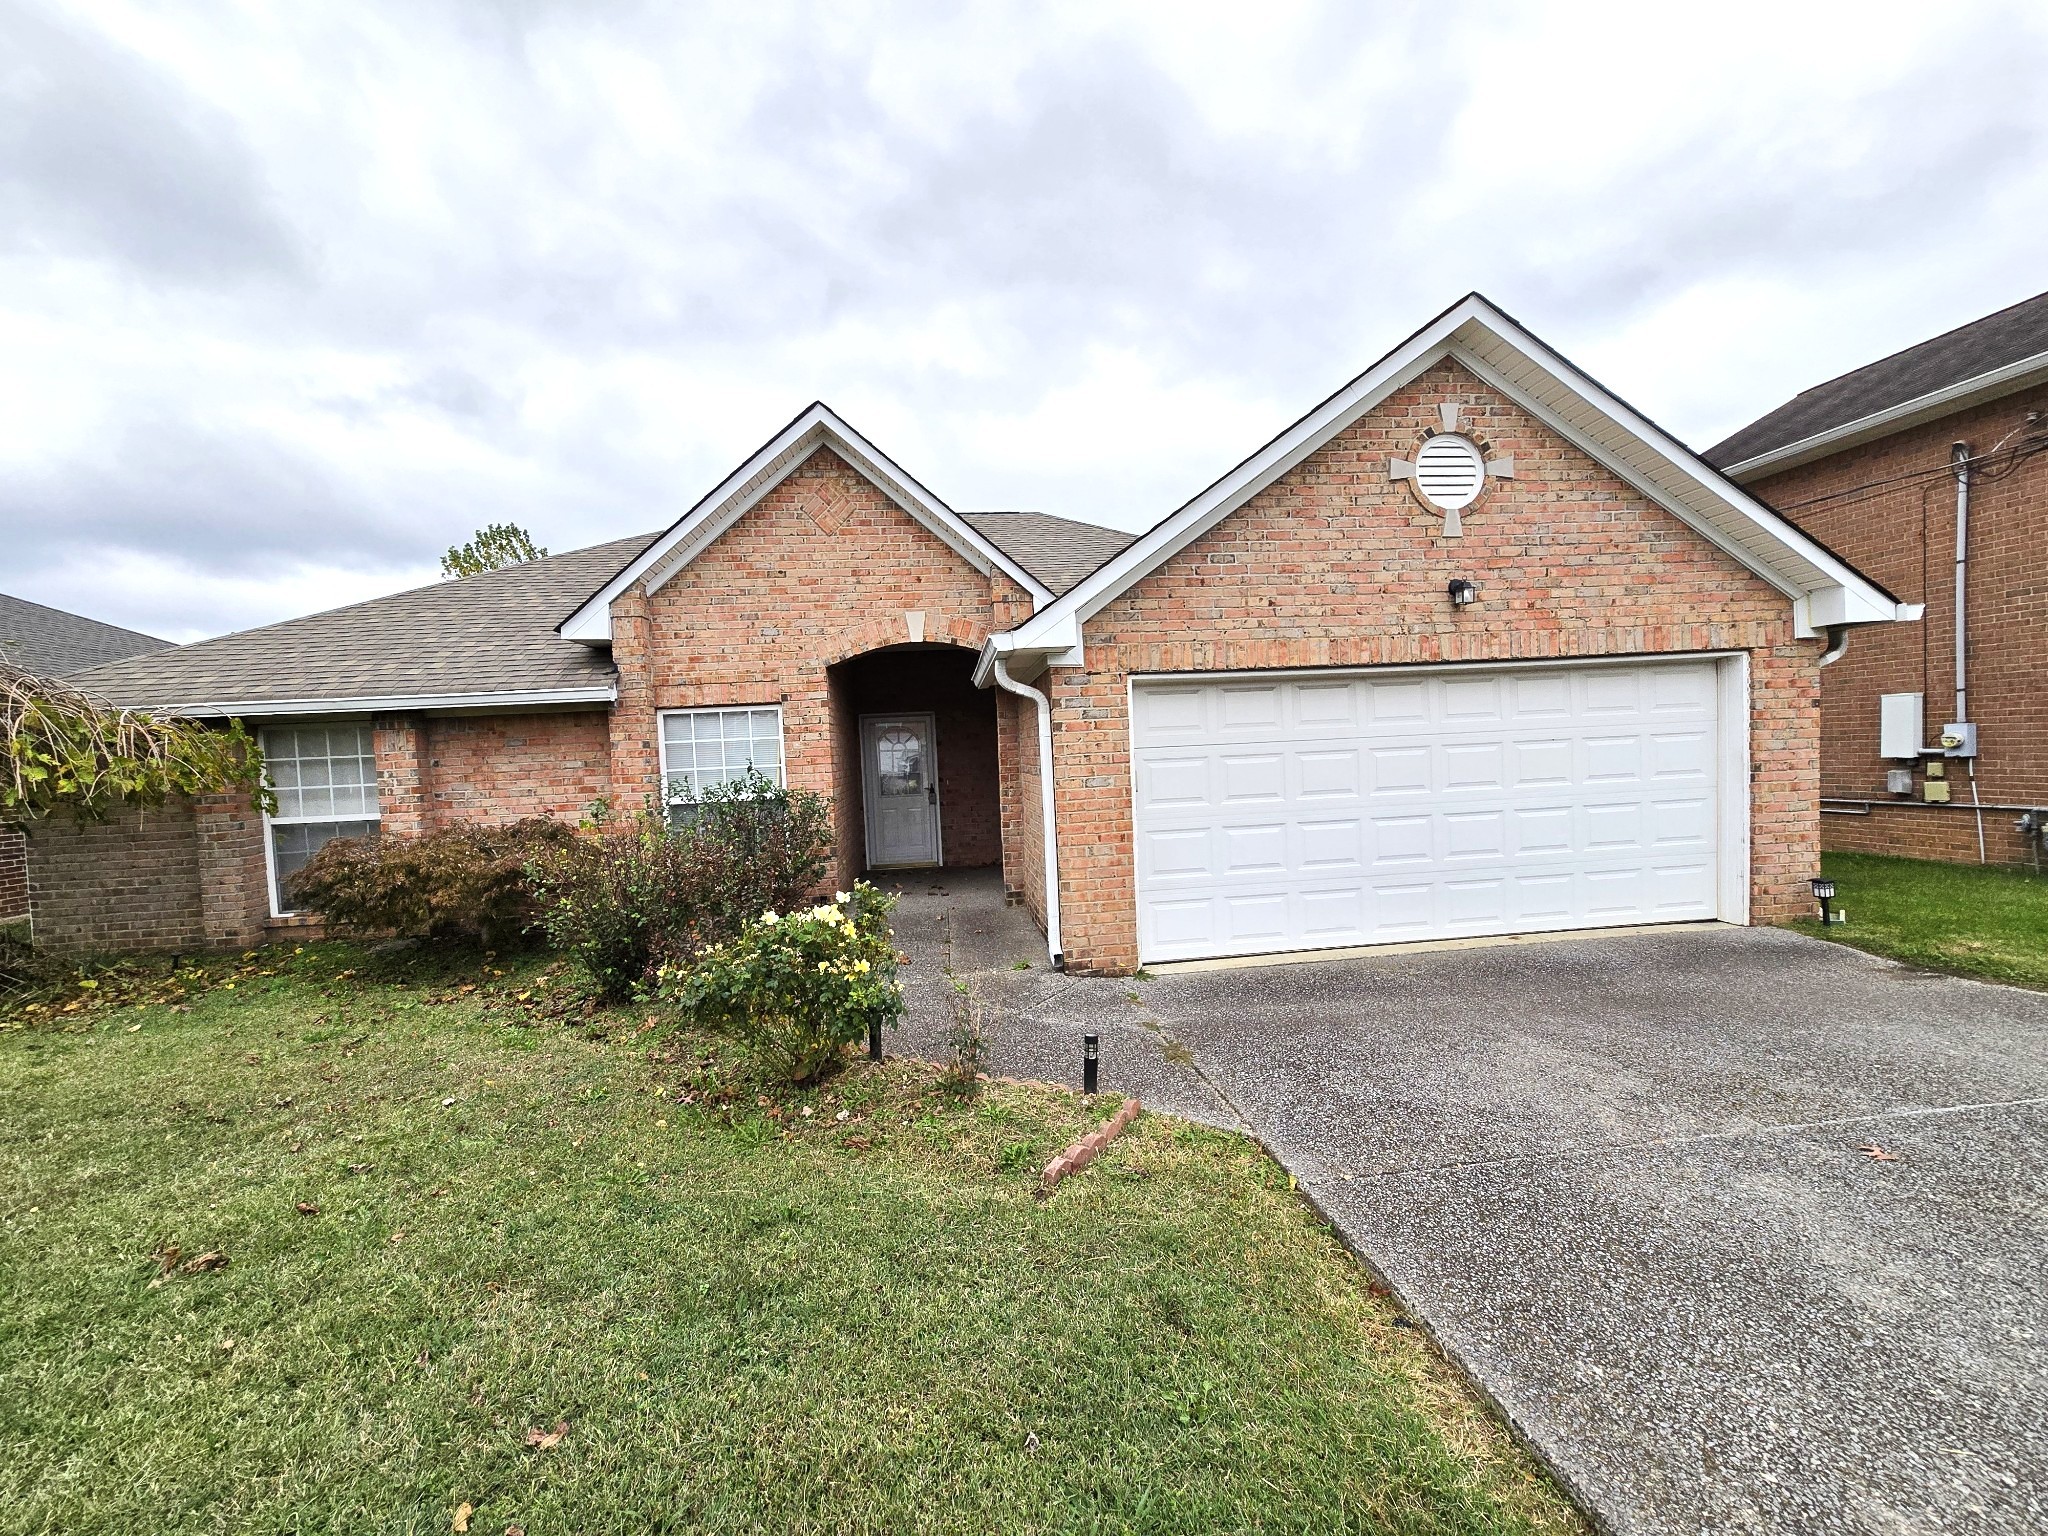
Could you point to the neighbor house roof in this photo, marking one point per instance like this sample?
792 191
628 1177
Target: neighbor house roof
1825 590
50 642
485 641
1980 361
1057 550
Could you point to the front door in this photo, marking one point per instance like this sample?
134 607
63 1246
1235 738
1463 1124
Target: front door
900 774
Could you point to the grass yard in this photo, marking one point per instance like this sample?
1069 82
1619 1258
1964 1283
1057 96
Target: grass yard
1990 923
455 1216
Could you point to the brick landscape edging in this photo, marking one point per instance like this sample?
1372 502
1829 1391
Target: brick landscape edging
1083 1152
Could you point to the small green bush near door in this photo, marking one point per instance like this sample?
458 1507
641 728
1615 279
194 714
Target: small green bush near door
1966 918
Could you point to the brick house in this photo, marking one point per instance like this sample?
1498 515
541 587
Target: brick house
50 643
1471 648
1929 470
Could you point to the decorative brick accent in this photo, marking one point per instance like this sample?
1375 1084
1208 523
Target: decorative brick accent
1337 565
1889 507
1087 1149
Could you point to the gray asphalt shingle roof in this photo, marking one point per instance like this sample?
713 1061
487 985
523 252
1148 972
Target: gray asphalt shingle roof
1057 550
1967 352
493 633
50 642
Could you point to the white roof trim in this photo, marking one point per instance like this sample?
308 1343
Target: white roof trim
1894 418
1498 350
396 703
730 500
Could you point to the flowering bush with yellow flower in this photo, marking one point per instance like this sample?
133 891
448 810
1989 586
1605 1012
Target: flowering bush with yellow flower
797 988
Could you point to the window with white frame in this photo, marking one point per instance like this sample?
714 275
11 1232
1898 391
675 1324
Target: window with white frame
325 779
701 748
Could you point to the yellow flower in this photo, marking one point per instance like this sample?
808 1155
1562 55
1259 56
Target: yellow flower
860 967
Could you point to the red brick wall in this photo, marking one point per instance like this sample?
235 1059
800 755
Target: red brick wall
1022 810
822 569
13 876
130 882
1889 508
1913 830
499 768
1336 565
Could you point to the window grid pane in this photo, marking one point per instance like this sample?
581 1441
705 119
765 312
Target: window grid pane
702 748
325 773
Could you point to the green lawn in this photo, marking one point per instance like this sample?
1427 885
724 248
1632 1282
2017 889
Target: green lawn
748 1318
1965 918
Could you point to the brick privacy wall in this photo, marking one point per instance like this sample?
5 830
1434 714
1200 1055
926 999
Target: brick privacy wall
13 876
131 882
823 568
940 683
1336 565
1022 812
1912 830
1903 535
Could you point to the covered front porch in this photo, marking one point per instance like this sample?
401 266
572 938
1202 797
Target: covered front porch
915 762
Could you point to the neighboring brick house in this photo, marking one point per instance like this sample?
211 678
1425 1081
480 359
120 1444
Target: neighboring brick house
1472 648
1929 470
50 643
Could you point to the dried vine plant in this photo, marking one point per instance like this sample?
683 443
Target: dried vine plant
67 750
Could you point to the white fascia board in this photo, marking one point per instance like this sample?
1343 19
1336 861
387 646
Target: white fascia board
1666 471
397 703
778 458
1975 390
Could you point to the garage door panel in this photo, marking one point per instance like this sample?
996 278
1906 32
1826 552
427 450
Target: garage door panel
1354 809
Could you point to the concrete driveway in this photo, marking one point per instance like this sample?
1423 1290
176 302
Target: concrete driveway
1623 1182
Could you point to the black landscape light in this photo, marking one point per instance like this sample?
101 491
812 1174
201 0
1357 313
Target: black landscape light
1090 1048
1824 893
1463 593
874 1040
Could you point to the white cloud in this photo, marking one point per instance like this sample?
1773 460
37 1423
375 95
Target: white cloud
293 297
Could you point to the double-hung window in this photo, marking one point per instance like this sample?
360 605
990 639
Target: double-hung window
701 748
325 778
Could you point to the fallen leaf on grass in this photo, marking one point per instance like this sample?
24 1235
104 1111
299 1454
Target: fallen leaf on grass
547 1439
1878 1154
462 1513
213 1258
515 1530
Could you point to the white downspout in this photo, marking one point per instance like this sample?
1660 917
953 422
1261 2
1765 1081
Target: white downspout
1049 837
1959 456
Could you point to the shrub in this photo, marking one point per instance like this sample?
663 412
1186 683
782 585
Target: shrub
797 990
642 891
466 883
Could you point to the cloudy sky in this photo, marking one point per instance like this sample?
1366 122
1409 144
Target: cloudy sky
293 296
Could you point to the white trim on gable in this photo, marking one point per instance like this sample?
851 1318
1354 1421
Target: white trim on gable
1824 589
775 461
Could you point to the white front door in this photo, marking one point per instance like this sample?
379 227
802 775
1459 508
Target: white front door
900 775
1315 810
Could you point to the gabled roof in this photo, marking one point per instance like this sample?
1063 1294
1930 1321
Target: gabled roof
1057 550
1497 349
485 641
818 426
50 642
1980 361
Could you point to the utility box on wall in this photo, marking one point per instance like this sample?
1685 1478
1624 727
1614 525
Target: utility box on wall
1899 726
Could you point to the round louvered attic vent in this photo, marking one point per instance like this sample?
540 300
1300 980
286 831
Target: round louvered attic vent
1450 470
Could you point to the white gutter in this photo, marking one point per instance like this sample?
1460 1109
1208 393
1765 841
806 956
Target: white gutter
398 703
1050 835
1959 458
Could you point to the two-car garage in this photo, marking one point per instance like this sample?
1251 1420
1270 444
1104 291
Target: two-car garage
1326 809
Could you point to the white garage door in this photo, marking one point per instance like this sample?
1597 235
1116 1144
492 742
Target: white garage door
1311 810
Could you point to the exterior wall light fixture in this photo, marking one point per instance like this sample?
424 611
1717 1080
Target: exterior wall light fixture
1463 593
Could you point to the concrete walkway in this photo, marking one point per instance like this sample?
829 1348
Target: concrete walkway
1623 1182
